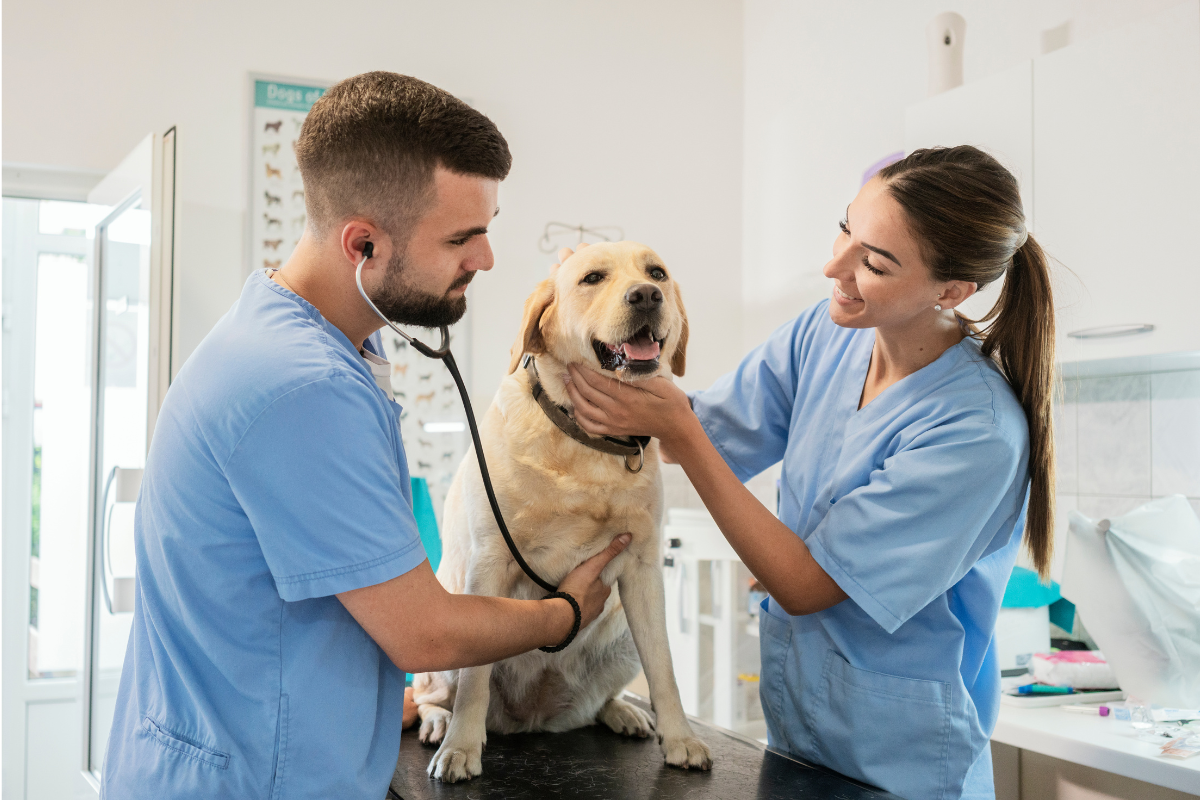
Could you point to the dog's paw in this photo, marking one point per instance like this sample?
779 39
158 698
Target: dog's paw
626 719
456 761
434 722
687 752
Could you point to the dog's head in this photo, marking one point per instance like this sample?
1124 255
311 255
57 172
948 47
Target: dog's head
613 306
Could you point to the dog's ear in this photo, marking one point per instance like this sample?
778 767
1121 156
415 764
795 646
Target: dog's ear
679 357
530 339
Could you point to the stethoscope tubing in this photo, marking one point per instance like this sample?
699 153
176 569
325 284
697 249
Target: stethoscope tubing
445 356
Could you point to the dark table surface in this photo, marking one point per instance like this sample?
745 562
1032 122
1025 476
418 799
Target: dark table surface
594 763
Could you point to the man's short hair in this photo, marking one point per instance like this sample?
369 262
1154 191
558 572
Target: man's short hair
370 145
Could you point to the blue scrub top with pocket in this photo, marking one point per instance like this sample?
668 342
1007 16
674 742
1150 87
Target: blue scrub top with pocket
276 479
914 505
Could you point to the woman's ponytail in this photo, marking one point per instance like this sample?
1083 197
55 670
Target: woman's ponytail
965 207
1021 340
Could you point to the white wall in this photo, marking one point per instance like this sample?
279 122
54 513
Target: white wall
638 114
620 112
826 85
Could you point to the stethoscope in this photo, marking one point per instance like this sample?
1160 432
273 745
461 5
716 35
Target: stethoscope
443 354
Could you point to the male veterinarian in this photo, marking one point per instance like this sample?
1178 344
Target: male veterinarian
282 590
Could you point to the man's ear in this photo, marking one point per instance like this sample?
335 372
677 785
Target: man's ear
355 234
679 357
530 339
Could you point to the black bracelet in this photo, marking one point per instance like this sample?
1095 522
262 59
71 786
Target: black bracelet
574 628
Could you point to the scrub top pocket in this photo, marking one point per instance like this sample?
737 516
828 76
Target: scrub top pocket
775 644
886 730
179 745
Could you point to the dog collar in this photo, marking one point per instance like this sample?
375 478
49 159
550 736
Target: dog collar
628 448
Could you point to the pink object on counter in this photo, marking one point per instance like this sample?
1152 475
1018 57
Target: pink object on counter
1079 669
1073 657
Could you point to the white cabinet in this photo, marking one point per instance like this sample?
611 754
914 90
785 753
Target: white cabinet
994 114
710 628
1117 156
1104 136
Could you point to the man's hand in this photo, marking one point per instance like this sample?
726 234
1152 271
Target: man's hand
565 252
424 628
584 584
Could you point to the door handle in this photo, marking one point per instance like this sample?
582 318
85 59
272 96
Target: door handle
128 483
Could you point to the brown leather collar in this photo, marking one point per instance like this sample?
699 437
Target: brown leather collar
630 448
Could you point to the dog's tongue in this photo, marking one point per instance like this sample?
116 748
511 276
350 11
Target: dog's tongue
641 348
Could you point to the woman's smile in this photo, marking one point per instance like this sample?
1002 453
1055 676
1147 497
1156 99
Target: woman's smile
843 298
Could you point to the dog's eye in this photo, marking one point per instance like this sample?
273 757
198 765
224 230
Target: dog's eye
658 274
593 278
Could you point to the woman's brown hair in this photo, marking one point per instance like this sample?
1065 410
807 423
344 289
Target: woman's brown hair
965 208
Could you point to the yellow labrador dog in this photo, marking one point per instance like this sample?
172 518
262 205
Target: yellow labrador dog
614 307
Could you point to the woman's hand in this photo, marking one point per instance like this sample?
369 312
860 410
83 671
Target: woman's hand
607 407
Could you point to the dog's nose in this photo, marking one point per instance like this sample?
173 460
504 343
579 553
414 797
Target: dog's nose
644 297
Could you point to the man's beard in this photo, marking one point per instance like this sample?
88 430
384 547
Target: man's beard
403 303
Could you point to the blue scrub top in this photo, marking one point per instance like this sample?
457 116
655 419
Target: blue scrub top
914 506
276 478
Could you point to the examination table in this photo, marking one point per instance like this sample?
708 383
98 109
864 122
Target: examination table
594 763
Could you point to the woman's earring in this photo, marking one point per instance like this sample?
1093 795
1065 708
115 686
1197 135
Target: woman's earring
937 307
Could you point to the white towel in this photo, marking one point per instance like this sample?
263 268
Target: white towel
1079 669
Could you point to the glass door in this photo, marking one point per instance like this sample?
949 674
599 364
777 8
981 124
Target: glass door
133 269
123 337
48 262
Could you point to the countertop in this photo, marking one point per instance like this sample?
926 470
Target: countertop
1102 743
593 763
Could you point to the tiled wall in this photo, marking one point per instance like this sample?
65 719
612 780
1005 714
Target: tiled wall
1125 439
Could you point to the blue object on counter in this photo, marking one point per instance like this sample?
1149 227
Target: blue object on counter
1026 590
1062 614
1037 688
426 522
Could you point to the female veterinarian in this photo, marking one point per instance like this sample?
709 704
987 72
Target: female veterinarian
909 445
